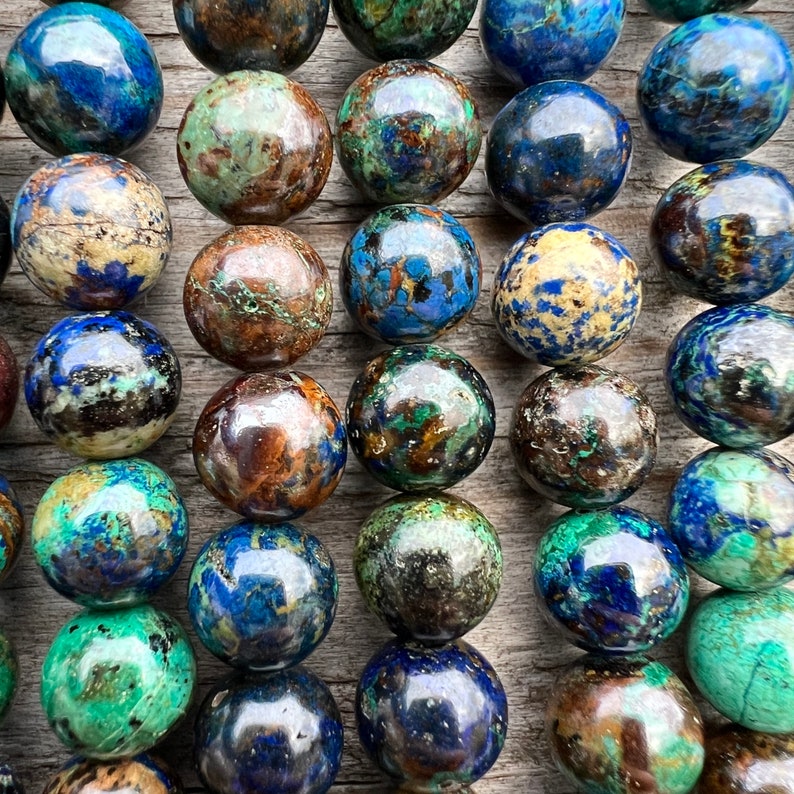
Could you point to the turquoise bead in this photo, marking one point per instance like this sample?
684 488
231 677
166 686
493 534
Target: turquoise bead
9 673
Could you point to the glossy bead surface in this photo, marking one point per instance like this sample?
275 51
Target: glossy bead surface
103 384
409 273
583 437
114 683
715 87
612 581
91 231
429 567
9 383
254 147
420 418
110 534
9 782
12 527
270 446
269 734
407 131
730 375
139 775
566 294
110 3
558 151
9 673
257 297
684 10
81 77
432 719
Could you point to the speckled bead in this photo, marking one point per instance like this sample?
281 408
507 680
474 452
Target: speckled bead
254 147
139 775
566 294
684 10
715 87
114 683
9 673
407 131
612 581
432 719
12 527
9 782
9 383
81 77
103 384
420 418
409 273
730 375
269 734
258 297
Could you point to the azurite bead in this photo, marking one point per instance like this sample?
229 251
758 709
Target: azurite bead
12 527
684 10
141 774
9 782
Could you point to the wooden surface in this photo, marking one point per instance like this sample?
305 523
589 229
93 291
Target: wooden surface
526 655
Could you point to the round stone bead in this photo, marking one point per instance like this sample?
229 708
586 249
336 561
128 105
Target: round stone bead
407 131
715 87
612 581
432 719
262 597
9 782
270 446
558 151
583 437
141 774
409 273
429 567
269 734
9 673
5 220
81 77
684 10
109 534
730 375
109 3
272 35
12 527
9 383
531 42
114 683
103 384
565 294
420 418
254 147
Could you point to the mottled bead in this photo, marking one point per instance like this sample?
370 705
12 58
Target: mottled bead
262 596
620 726
409 273
9 673
432 719
258 297
5 221
103 384
270 445
730 375
612 581
715 87
583 437
279 733
114 683
740 653
254 147
272 35
9 383
420 418
429 567
12 527
684 10
10 783
139 775
558 151
567 293
407 131
81 77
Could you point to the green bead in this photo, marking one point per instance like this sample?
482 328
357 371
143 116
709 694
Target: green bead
9 673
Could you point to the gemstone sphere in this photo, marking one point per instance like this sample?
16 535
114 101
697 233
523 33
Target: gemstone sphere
9 673
715 87
269 734
9 383
612 581
531 42
730 375
583 437
558 151
103 384
429 567
81 77
420 418
258 297
270 445
683 10
5 225
272 35
109 534
12 527
566 293
9 782
139 775
254 147
109 3
740 653
431 718
262 596
407 131
114 683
